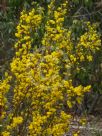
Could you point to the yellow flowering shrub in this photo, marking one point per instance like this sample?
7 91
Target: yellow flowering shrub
89 43
39 84
28 26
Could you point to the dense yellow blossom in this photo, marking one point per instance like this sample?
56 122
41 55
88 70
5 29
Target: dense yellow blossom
88 44
27 27
40 83
5 133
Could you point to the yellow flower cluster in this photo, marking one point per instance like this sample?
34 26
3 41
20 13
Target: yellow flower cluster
55 32
41 83
16 121
5 133
4 88
27 27
88 44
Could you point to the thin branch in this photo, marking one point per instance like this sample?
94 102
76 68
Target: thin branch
90 14
100 13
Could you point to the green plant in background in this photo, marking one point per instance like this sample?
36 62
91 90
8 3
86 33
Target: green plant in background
8 21
7 29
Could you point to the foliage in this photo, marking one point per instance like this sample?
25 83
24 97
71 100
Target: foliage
40 89
9 14
7 39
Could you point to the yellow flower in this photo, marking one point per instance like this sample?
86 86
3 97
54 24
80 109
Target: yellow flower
90 58
76 134
5 133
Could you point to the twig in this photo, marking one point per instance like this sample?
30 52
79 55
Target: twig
90 14
84 128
